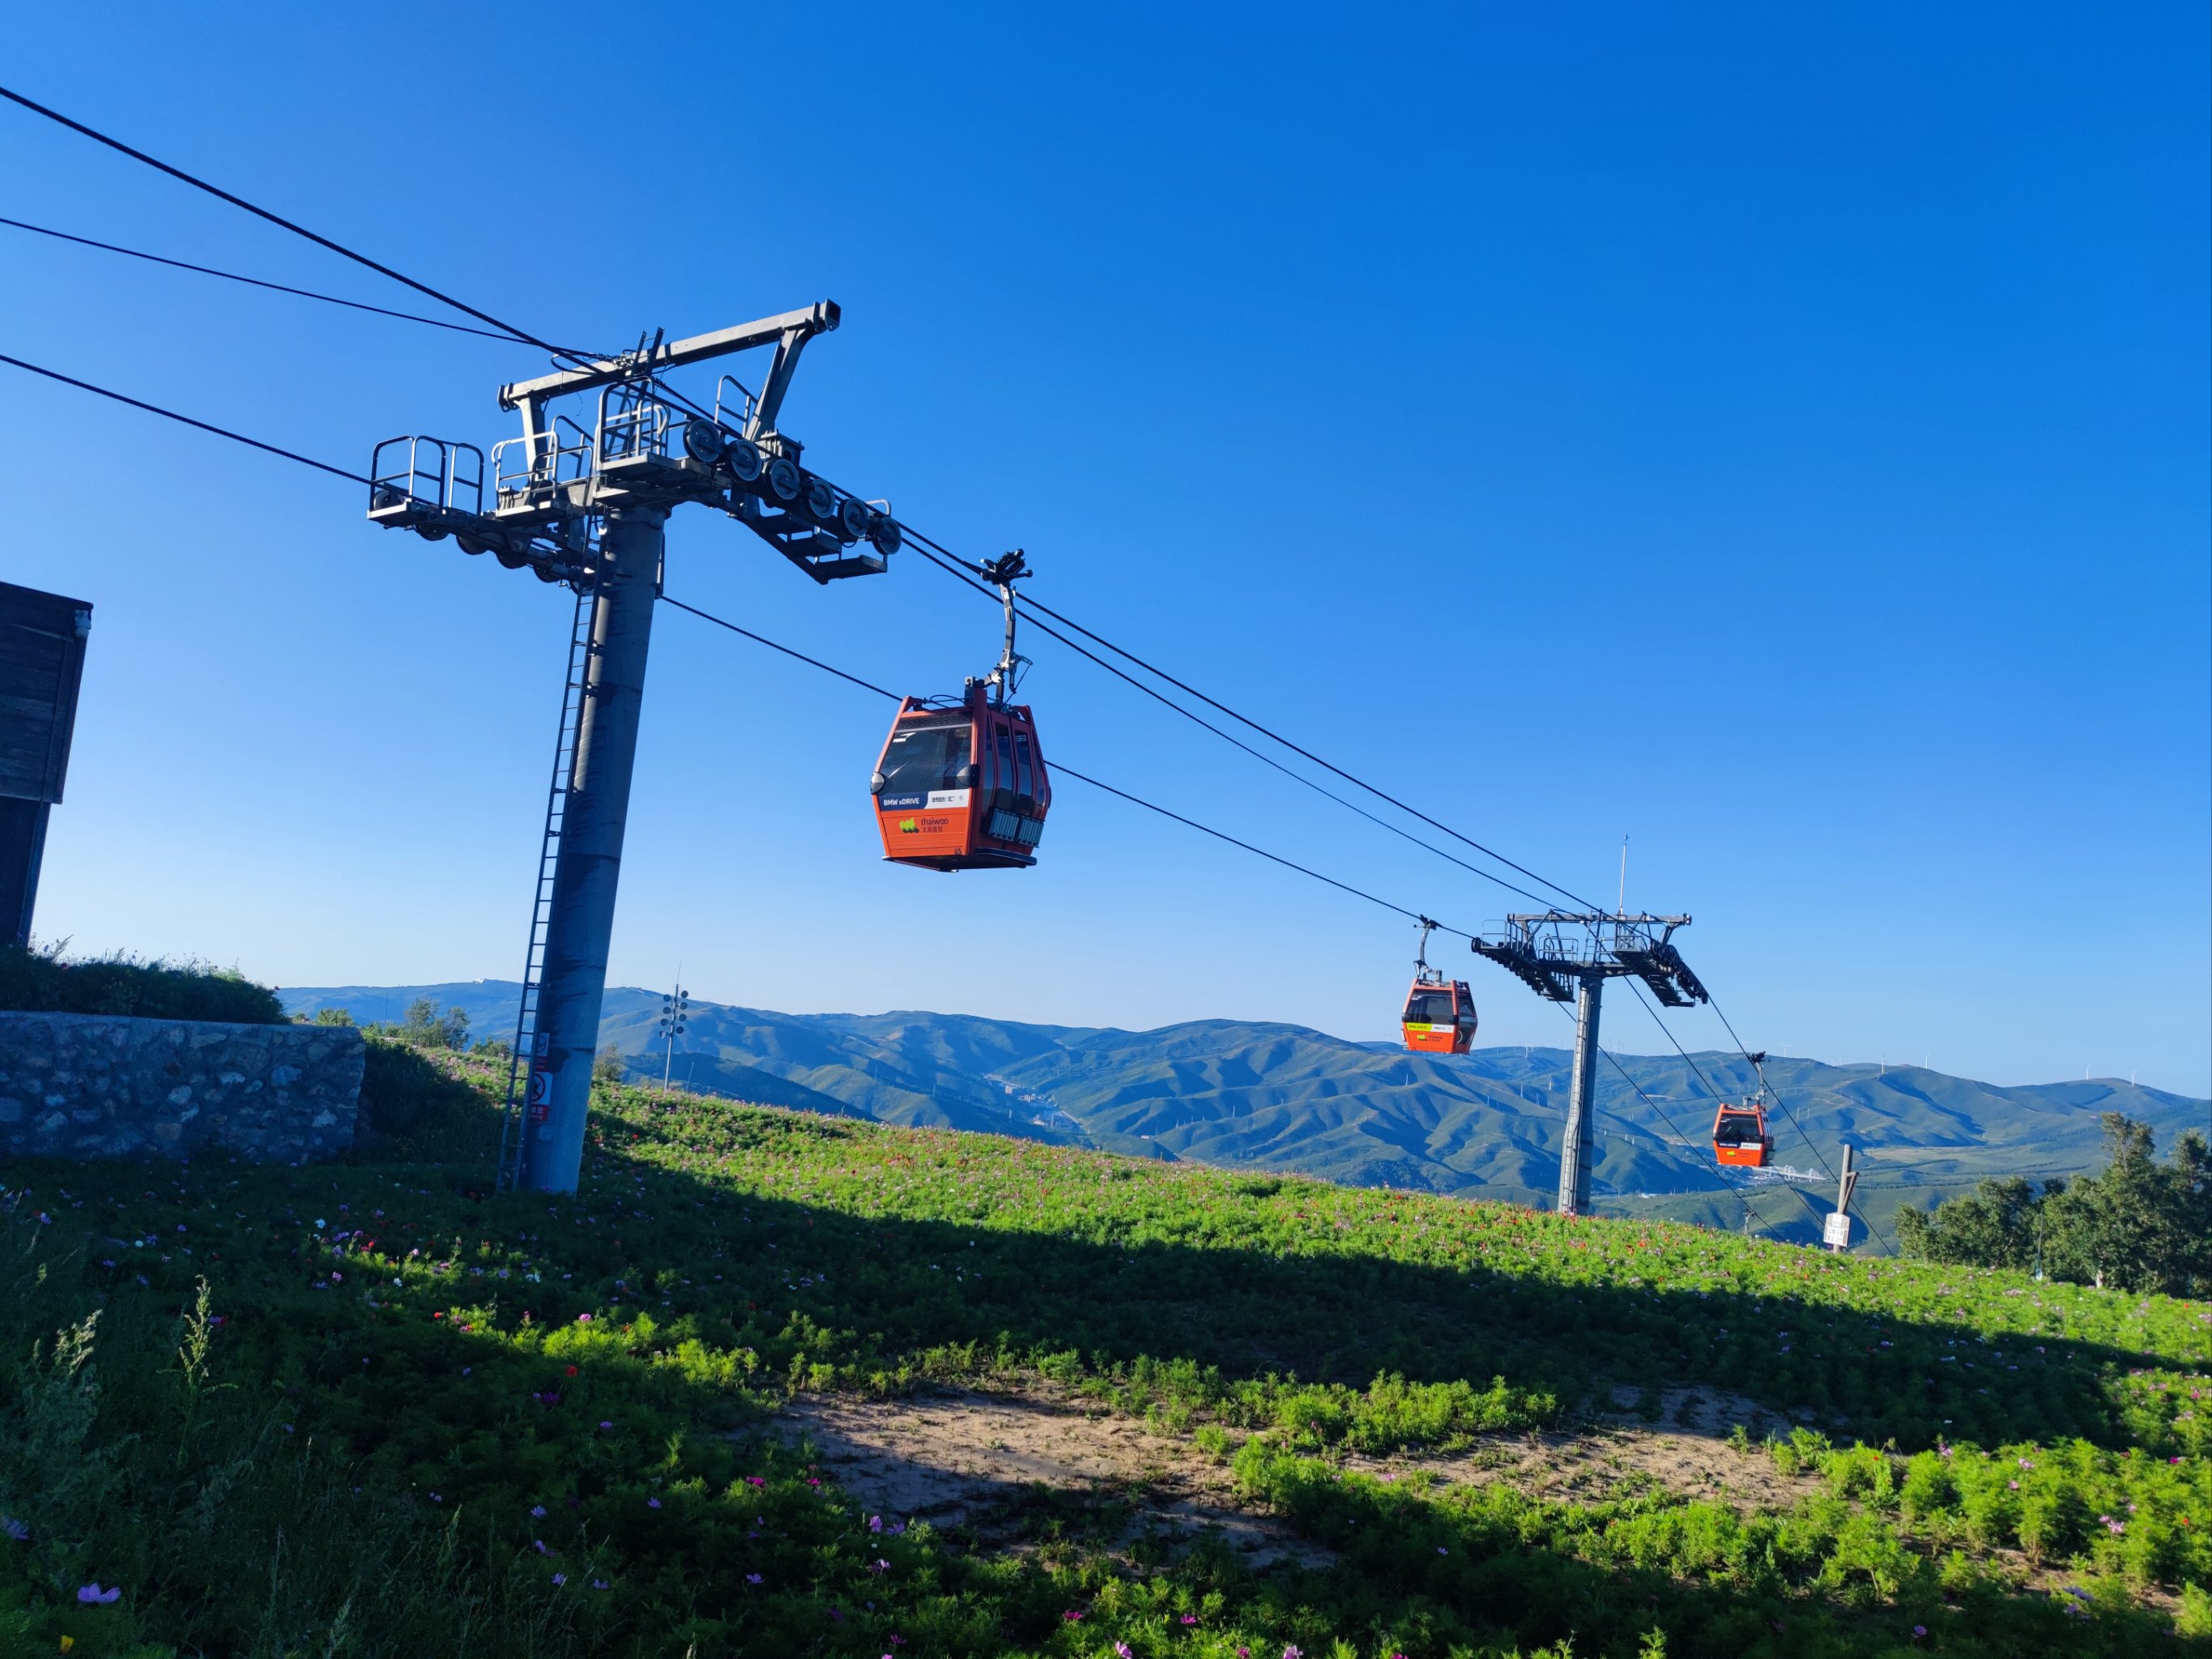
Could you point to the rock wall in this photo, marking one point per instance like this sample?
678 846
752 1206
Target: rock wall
98 1085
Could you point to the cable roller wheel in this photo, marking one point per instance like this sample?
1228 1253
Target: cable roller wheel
785 480
704 441
856 518
884 534
820 500
743 460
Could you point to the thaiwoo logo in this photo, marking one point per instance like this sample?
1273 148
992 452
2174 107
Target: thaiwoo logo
909 826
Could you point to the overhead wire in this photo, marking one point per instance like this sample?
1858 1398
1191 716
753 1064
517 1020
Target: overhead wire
1032 604
1711 1088
814 662
1719 1180
1811 1145
281 222
257 281
1061 767
184 420
1024 601
954 566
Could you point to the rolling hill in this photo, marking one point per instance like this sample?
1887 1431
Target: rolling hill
1246 1095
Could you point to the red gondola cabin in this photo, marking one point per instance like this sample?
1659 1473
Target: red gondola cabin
1740 1136
1439 1016
963 786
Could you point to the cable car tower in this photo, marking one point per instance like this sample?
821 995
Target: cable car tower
587 505
1563 956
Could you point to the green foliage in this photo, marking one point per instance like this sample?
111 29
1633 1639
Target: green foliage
424 1027
439 1399
2139 1225
427 1105
332 1017
44 981
607 1067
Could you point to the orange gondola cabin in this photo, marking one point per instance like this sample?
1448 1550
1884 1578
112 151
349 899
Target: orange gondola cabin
1439 1016
1740 1136
962 786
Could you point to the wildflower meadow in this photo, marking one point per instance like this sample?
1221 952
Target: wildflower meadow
375 1409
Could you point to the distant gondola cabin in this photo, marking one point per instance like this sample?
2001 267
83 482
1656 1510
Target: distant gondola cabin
1740 1136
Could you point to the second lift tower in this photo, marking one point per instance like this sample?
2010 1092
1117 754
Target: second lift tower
1561 956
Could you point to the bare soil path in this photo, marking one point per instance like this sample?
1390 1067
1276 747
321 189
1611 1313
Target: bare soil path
998 1464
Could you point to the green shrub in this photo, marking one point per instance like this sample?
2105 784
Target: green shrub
45 981
418 1105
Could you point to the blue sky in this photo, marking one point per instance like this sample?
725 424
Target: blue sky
1778 435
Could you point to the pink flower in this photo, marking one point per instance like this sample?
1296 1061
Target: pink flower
1072 1617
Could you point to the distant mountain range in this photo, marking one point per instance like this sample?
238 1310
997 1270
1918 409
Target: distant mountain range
1246 1095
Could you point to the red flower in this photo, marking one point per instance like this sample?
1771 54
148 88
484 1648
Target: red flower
572 1370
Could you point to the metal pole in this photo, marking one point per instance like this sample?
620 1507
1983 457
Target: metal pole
1582 1103
1838 1229
589 864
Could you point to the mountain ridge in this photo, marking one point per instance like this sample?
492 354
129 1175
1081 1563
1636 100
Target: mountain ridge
1277 1097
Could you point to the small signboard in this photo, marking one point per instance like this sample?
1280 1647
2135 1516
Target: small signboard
1837 1234
541 1094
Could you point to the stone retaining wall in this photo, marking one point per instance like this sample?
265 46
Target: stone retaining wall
100 1085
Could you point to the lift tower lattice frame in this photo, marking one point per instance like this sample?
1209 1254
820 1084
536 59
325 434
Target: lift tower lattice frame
1567 956
588 506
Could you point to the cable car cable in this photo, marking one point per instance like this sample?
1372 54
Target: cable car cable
528 338
257 281
278 220
814 662
1032 604
184 420
1096 783
761 639
1138 800
1689 1146
1718 1098
953 568
1811 1145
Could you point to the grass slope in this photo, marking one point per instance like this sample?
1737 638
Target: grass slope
403 1417
1244 1095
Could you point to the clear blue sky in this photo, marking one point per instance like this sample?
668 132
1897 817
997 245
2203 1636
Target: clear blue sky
1778 434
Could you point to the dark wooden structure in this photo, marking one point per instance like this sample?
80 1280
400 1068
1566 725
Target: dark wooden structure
42 639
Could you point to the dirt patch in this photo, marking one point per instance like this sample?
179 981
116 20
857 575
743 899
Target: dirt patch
1008 1468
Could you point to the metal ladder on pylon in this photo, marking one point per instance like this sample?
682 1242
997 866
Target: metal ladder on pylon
523 1077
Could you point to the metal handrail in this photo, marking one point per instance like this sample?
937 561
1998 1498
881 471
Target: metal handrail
446 480
750 402
637 425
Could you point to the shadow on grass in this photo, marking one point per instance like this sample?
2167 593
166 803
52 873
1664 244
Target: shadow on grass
613 1433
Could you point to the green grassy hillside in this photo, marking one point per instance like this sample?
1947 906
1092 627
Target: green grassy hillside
1255 1095
405 1416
